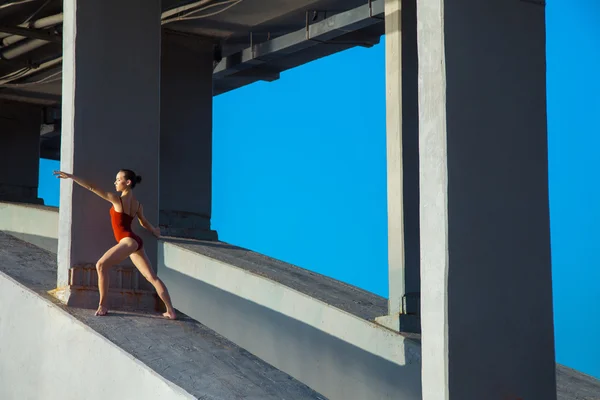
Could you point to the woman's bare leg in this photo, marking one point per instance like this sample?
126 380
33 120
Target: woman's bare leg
112 257
140 260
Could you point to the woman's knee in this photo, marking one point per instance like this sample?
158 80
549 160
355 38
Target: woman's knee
101 266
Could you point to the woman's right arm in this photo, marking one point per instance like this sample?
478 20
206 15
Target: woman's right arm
146 224
108 196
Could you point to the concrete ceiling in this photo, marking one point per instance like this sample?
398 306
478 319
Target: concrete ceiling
275 29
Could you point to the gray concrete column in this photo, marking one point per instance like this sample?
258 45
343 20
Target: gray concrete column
402 127
487 321
111 120
186 136
19 152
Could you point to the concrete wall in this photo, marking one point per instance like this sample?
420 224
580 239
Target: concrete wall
33 223
485 242
19 151
333 352
51 355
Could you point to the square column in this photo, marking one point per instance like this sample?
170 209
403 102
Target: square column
486 298
19 152
402 142
111 120
186 136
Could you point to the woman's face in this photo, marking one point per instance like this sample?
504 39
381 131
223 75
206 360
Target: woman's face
120 182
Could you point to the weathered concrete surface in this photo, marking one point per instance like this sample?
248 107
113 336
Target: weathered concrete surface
573 385
318 330
67 351
486 277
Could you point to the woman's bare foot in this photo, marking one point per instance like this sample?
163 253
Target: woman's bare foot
170 314
101 311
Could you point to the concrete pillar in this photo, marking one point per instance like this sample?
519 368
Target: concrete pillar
486 306
111 120
186 136
402 166
19 152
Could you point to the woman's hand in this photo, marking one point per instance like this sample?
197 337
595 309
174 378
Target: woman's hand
156 232
62 175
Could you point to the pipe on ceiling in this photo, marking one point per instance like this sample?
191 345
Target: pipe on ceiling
42 67
41 23
19 49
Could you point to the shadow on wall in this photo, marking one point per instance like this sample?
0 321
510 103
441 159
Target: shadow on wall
327 364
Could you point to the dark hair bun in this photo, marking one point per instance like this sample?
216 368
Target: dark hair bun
138 179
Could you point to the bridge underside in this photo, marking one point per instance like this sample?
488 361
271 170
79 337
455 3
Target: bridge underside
249 41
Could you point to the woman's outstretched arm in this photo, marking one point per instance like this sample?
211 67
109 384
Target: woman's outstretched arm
146 224
108 196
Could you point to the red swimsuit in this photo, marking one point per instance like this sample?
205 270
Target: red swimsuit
121 224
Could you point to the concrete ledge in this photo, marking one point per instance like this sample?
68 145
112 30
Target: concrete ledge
336 352
35 224
186 225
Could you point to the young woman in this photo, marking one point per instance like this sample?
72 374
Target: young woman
122 213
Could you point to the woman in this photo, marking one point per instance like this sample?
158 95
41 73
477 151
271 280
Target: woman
124 209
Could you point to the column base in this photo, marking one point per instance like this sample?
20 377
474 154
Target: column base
408 323
409 320
128 290
186 225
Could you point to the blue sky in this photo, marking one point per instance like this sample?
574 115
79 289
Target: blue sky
573 62
299 173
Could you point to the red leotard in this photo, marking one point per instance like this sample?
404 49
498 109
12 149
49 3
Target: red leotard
121 224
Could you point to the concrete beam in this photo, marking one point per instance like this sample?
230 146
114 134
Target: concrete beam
42 34
313 35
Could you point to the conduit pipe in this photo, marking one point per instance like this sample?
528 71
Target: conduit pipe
57 19
41 23
19 49
44 66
